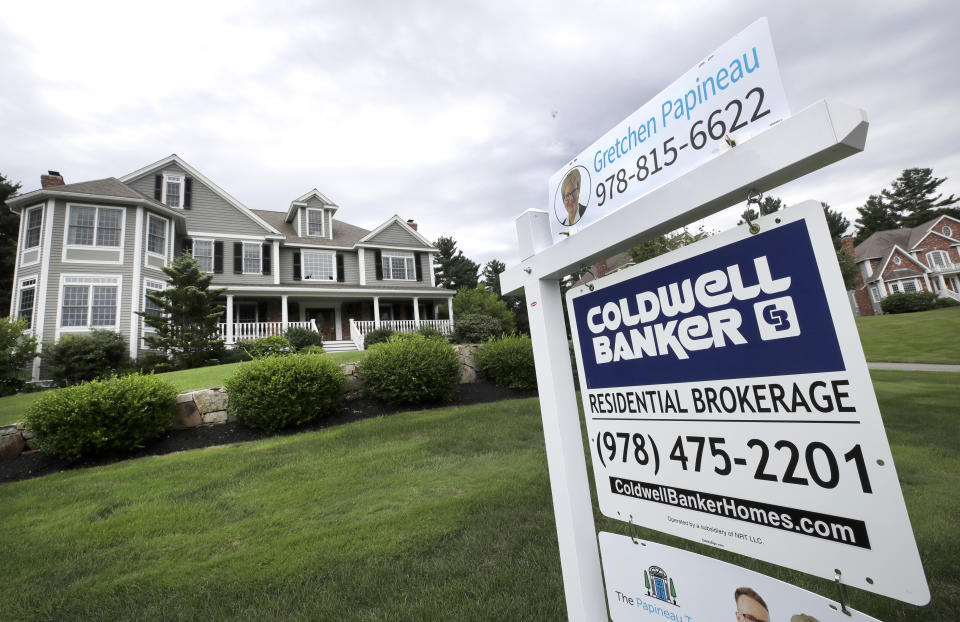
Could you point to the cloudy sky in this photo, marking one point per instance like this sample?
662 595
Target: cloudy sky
453 114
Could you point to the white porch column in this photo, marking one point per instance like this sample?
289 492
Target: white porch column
450 308
436 310
230 318
416 311
376 311
926 280
943 284
284 313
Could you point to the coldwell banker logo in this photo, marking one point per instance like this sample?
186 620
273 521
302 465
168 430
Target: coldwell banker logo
659 585
777 318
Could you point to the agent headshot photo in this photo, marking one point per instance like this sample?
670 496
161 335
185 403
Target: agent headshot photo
750 606
570 191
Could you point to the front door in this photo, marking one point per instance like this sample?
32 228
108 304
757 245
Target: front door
325 319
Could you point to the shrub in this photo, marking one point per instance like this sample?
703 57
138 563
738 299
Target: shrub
313 350
17 349
943 303
430 332
481 302
411 369
300 338
908 302
153 362
116 414
78 358
474 328
508 362
234 355
275 345
377 335
281 391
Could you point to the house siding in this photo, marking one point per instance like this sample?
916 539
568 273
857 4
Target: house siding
371 271
351 265
395 235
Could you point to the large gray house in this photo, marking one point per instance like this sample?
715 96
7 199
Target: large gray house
88 252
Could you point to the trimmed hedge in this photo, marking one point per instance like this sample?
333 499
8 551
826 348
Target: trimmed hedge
943 303
508 362
300 338
116 414
275 345
475 328
282 391
909 302
411 369
77 358
377 335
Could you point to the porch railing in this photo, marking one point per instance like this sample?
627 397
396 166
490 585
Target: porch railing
256 330
360 328
946 293
945 268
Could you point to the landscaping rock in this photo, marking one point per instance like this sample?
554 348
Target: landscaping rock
468 363
217 416
187 415
210 400
11 442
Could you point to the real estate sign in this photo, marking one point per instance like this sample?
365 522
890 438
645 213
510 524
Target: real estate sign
647 581
732 94
728 401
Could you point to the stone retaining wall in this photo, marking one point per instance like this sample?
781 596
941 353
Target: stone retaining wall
209 406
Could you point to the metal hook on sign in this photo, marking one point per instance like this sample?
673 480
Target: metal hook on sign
753 198
586 270
842 593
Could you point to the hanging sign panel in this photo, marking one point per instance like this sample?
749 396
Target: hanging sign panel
647 581
728 401
732 94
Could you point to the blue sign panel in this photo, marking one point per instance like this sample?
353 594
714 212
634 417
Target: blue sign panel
753 308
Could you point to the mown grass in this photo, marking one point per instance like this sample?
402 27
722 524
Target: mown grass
442 514
925 337
12 407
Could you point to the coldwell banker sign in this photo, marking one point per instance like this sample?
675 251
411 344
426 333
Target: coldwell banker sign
728 402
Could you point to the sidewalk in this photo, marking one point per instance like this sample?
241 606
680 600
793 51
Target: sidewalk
913 366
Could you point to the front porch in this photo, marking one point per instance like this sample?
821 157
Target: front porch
343 323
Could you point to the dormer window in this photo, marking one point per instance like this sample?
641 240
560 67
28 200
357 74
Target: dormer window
314 222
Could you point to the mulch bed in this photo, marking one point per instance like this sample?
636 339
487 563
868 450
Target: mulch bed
37 463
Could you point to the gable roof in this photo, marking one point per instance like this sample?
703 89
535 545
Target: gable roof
886 260
396 219
223 194
109 189
302 201
344 235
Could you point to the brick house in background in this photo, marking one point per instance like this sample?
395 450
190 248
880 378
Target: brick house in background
922 258
89 252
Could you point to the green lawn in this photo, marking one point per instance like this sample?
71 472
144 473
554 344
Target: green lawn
926 337
441 514
12 407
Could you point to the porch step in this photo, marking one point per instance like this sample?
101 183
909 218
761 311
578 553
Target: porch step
339 346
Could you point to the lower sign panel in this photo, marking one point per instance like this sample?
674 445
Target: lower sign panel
651 581
728 401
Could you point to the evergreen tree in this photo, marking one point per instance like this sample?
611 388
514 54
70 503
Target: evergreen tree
453 269
9 231
875 215
187 325
836 222
914 199
491 275
664 244
768 205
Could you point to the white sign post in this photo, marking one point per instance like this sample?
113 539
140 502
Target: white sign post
728 401
731 95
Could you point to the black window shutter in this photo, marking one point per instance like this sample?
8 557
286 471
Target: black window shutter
218 257
340 276
187 245
188 193
238 257
158 187
262 311
378 259
296 266
265 258
418 266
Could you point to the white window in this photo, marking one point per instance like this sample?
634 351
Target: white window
32 235
89 302
895 288
897 260
875 293
152 287
173 190
203 253
28 296
251 258
156 234
910 286
319 266
399 267
937 259
947 231
315 222
95 226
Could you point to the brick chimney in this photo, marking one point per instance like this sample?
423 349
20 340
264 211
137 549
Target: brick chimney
846 242
51 179
413 225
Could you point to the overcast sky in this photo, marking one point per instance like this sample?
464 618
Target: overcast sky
454 114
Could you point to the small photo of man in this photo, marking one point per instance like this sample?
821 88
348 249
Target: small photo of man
570 192
750 606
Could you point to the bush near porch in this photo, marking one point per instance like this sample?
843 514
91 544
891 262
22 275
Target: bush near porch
411 369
